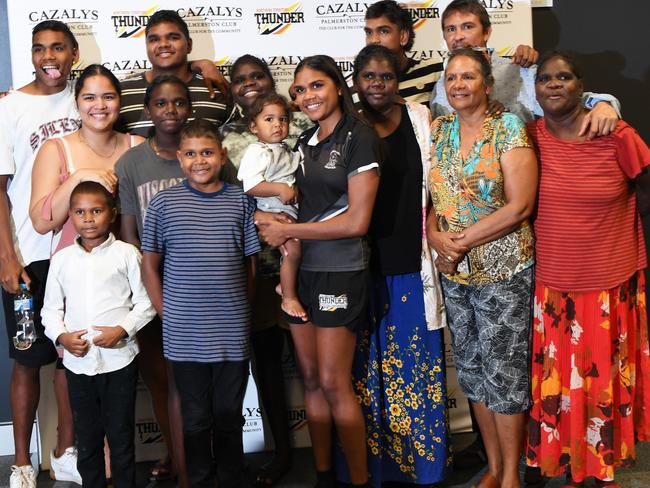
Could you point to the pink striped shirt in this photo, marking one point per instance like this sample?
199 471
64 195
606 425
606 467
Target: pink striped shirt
588 230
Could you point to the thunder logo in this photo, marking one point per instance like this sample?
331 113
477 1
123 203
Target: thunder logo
131 24
421 12
277 21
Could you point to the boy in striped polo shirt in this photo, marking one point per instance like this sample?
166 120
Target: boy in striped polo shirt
202 231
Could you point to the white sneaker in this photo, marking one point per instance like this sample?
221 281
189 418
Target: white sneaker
22 477
64 468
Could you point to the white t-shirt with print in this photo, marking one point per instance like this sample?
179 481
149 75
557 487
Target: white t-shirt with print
26 122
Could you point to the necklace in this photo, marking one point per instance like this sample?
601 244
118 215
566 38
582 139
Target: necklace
158 150
83 139
154 147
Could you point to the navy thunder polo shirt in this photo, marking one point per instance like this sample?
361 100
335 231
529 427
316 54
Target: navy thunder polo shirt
322 179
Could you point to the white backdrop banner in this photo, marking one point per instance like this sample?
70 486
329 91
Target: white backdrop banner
280 31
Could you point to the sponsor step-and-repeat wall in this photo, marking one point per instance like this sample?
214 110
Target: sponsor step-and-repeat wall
282 32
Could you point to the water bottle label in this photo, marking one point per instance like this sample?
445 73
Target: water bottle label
23 304
25 335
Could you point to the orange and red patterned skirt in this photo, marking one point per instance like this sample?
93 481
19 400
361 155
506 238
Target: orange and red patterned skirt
590 380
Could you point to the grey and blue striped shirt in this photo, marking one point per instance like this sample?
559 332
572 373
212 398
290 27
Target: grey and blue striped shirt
204 239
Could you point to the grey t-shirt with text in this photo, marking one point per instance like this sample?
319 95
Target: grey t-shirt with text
142 174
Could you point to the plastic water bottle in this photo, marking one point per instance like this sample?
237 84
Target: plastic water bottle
24 312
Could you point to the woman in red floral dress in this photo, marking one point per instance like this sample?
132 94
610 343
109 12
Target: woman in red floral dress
591 364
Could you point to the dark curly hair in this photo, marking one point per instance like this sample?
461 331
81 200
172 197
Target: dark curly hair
170 16
397 14
261 102
93 188
469 7
565 56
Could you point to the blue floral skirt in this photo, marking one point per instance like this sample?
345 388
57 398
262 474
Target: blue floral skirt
399 379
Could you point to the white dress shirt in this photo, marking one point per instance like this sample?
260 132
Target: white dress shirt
101 287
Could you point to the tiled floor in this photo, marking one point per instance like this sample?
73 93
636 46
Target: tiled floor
302 474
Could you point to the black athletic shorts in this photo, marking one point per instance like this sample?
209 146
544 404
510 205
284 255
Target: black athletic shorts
42 351
335 299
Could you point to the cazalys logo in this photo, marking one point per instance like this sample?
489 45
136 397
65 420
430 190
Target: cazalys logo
352 9
125 68
498 4
210 11
214 19
64 15
422 11
81 21
276 21
131 23
341 16
283 67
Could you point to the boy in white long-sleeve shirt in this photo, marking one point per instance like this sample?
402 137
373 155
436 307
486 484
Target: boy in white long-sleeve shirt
95 303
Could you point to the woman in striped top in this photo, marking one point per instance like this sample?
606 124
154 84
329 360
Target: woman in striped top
590 339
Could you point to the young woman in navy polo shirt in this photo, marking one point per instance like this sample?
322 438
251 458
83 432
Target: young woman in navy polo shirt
337 182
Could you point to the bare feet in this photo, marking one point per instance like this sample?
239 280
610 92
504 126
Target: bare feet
487 481
272 472
292 306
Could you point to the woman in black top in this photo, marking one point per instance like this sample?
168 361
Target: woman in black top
337 180
399 369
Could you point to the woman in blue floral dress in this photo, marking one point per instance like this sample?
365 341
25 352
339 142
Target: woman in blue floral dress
399 366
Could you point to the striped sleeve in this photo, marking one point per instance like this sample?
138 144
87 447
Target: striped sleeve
152 234
416 85
251 240
633 153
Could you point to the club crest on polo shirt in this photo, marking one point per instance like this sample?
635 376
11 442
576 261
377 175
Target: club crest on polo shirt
333 160
331 303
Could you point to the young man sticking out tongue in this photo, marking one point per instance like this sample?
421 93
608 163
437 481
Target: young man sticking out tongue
42 109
